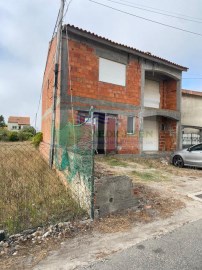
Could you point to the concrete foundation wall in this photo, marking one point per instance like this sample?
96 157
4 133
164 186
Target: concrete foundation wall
112 194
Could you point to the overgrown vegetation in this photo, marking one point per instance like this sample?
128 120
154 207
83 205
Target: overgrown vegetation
37 139
13 136
31 194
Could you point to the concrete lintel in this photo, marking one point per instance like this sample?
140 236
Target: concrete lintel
159 68
118 112
96 102
112 55
147 112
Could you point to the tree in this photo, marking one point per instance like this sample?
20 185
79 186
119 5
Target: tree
2 122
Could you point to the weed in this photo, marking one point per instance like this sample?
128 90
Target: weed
31 194
149 175
115 162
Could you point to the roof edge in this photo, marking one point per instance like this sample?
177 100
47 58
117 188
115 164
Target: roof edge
191 92
87 34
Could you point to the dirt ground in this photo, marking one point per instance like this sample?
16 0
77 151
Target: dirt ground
164 191
157 174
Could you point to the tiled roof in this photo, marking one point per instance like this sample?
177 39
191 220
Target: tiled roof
146 55
190 92
19 120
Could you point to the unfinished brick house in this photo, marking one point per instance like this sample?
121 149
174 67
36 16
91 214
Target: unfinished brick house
136 96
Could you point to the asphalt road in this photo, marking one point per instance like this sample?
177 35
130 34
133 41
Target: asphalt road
178 250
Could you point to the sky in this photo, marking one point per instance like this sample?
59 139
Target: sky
27 27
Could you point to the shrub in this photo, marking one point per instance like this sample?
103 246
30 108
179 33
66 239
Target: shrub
37 139
4 135
13 136
24 136
31 130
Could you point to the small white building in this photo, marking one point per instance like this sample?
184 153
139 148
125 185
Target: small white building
17 123
191 117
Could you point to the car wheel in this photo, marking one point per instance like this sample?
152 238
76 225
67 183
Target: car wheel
178 161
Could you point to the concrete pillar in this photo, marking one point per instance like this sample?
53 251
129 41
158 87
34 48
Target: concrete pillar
179 108
179 95
64 99
141 113
179 135
200 133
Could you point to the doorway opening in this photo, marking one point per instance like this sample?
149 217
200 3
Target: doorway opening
100 133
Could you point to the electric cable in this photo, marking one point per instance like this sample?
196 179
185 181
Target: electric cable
157 12
143 18
170 12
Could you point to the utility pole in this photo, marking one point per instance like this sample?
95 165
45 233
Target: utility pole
56 71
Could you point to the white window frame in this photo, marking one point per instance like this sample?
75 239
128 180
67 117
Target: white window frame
131 133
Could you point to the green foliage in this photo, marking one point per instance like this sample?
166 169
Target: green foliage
13 136
2 121
31 130
4 135
115 162
25 135
37 139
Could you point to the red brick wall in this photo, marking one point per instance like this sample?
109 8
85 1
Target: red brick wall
85 77
127 144
167 137
168 93
47 93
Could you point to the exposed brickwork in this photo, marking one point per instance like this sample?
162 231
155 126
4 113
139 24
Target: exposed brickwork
127 144
47 94
168 136
168 95
171 95
85 77
84 74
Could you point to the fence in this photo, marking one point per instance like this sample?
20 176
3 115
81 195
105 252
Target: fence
31 194
74 158
190 139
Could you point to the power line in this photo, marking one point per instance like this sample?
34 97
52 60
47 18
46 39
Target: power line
140 17
38 108
56 23
156 12
40 96
162 10
67 8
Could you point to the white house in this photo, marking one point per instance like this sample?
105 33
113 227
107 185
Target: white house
16 123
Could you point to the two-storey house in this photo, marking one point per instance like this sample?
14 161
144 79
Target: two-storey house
136 96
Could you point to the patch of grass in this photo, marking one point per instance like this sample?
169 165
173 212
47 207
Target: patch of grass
115 162
149 175
31 194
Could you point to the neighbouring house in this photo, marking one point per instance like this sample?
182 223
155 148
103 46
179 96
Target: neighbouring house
136 96
191 117
17 123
